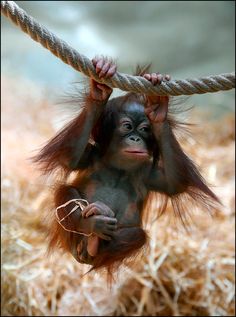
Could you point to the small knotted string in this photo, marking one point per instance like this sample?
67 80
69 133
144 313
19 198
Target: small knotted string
80 203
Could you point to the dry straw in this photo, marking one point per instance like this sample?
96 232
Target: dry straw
180 275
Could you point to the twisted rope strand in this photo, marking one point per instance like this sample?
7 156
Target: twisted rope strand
122 81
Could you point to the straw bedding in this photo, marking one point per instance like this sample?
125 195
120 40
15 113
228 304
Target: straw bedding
180 274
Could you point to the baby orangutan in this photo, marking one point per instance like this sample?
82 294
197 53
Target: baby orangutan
121 149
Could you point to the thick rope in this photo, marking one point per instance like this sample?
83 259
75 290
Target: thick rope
122 81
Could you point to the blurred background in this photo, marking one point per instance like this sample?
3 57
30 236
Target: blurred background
186 39
181 275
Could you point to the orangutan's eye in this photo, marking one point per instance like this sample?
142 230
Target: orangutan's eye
127 126
144 129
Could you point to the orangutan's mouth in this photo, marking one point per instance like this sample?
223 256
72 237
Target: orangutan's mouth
136 153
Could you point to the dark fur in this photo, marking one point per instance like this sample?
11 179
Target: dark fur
127 241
